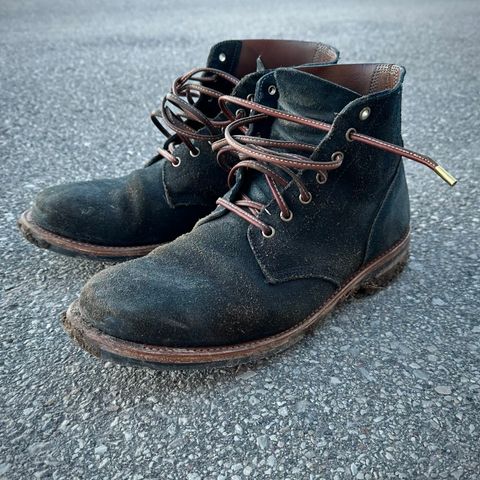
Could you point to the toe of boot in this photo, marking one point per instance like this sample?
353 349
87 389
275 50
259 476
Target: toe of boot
76 211
121 212
52 210
129 302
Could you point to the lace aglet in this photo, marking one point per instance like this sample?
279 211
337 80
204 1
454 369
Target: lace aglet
444 175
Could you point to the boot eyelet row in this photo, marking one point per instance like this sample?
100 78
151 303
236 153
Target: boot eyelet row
364 113
195 153
269 235
307 200
177 163
288 218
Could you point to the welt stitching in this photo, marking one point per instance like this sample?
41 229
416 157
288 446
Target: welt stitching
99 247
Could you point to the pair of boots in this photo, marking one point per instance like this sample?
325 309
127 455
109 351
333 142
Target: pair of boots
313 206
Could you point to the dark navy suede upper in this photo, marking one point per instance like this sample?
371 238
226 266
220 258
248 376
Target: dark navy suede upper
130 210
224 282
352 193
160 202
204 288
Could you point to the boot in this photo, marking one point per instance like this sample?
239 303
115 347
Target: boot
129 216
318 209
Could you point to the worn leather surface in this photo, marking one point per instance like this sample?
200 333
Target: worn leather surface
224 283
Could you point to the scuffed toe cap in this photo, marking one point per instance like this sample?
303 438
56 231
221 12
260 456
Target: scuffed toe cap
51 207
130 302
78 211
120 212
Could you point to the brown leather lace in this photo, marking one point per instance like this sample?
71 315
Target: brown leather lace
255 153
179 114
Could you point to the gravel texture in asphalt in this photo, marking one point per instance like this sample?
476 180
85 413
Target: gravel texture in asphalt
387 387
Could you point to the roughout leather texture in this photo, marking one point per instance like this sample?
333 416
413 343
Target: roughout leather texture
160 202
224 283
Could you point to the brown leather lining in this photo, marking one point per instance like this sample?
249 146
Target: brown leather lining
362 78
281 53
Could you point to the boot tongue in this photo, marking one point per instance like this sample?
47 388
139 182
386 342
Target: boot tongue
302 94
224 56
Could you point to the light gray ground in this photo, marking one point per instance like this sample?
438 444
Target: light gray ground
388 387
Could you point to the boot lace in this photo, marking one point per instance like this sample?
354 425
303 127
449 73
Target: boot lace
256 153
179 114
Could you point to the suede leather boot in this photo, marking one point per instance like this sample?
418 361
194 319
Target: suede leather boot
120 218
318 209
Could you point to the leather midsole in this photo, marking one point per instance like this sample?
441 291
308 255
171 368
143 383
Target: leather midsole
85 248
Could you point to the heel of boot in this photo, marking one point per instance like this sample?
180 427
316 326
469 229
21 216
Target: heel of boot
382 277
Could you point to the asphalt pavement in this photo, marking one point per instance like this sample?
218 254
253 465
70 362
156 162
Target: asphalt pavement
388 387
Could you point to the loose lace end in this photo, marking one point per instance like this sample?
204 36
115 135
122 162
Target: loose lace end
444 175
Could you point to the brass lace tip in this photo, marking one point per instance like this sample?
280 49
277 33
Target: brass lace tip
444 175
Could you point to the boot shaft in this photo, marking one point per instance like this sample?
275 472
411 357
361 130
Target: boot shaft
366 98
356 210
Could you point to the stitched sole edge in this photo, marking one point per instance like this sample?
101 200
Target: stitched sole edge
42 238
375 275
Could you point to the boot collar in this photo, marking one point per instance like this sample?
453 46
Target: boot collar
240 57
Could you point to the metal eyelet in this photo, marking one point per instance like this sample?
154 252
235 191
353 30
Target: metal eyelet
222 57
269 235
337 156
364 113
194 154
348 134
240 113
307 201
272 89
177 163
250 97
286 219
321 178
